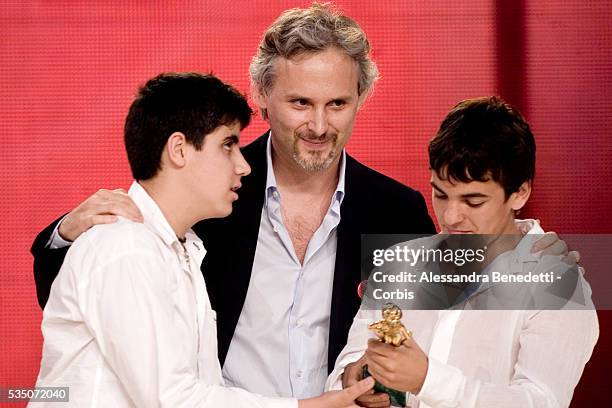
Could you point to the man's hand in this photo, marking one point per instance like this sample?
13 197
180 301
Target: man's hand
102 207
339 399
352 375
402 368
551 244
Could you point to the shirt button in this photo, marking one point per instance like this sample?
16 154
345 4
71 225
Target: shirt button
299 323
299 374
275 194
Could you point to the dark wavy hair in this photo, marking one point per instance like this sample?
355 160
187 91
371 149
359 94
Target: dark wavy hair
484 139
191 103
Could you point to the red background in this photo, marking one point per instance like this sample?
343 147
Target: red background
68 72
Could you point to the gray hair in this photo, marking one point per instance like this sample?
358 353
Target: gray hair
297 31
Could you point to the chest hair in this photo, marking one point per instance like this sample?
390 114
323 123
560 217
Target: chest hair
302 216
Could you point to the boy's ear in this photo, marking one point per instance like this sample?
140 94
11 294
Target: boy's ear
519 197
175 149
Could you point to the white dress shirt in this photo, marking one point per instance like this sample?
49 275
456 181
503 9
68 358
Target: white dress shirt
280 343
492 358
129 322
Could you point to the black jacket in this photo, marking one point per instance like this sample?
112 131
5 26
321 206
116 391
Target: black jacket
373 203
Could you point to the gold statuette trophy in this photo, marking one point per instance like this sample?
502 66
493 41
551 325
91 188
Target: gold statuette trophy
390 330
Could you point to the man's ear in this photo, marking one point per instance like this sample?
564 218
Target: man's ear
519 198
176 150
362 98
260 98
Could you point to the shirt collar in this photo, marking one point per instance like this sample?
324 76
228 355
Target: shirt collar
272 187
523 248
153 216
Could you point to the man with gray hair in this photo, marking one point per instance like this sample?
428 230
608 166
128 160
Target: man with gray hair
282 271
310 76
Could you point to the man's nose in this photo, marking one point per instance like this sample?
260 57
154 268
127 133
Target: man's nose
318 123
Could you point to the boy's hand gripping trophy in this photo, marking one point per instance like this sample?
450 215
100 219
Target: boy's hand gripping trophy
390 330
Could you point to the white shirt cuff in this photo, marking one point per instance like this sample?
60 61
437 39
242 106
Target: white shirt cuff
334 381
56 241
444 385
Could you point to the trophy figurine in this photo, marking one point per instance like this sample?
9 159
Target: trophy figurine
390 330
